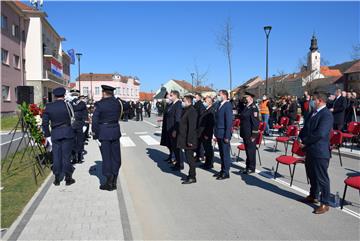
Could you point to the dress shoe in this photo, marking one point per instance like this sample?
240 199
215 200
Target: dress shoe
223 176
310 199
248 172
108 185
69 181
57 181
218 174
189 181
322 209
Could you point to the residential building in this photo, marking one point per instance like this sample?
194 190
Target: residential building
14 31
185 87
127 87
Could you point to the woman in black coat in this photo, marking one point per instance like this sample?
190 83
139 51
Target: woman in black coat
165 141
188 138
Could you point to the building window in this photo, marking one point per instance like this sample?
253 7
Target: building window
5 56
6 93
131 92
117 91
127 91
23 36
4 22
85 90
16 62
15 31
97 90
123 90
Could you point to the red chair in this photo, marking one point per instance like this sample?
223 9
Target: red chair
353 182
291 160
336 140
353 131
297 120
236 126
291 133
284 122
258 141
262 127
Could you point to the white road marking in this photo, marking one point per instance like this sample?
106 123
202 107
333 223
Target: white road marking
123 134
140 133
150 140
10 141
147 122
127 142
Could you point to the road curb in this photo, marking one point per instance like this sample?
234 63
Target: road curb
15 230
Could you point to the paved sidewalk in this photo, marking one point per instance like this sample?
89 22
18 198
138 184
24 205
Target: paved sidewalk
77 212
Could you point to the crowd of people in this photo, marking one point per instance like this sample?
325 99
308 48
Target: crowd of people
191 124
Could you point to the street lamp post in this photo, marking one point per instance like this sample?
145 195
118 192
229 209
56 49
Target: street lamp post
91 89
192 82
78 57
267 30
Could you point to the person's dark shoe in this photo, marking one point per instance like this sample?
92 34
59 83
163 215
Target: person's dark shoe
80 158
57 181
189 181
310 199
322 209
218 174
114 183
248 171
108 185
223 176
69 180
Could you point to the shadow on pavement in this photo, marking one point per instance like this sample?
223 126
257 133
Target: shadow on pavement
158 157
96 170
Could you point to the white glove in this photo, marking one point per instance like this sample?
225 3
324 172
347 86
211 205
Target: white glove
98 142
84 129
48 140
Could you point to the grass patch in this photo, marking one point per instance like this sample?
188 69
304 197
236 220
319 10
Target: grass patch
8 122
18 186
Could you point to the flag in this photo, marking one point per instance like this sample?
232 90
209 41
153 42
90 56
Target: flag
71 53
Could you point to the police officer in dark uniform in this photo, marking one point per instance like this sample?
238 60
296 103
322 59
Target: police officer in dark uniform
62 135
249 119
106 128
81 115
139 111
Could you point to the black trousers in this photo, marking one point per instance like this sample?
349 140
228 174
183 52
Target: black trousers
139 116
191 160
250 149
61 151
200 149
178 161
148 113
317 171
111 157
209 151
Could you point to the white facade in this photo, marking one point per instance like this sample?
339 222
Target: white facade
314 61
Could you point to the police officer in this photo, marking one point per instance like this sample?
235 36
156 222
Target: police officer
139 111
62 136
81 115
106 128
249 119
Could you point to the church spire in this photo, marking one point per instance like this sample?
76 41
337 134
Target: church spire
314 45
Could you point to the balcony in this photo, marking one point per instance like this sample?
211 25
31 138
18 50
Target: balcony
52 70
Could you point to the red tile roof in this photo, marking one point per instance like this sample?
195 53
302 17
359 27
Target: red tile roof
22 5
187 86
327 72
146 96
354 68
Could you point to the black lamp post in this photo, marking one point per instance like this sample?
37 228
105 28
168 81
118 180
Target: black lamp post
192 82
78 57
267 30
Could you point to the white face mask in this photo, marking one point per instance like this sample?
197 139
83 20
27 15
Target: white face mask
220 98
264 97
183 105
168 101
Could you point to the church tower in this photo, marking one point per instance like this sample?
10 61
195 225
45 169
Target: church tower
313 56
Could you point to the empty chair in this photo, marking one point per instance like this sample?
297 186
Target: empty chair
292 160
284 122
353 131
291 132
353 182
336 141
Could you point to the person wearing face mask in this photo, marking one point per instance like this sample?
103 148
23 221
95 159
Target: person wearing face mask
165 138
248 131
187 136
222 132
315 141
265 111
206 130
173 115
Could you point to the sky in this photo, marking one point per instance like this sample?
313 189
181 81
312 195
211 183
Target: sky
159 41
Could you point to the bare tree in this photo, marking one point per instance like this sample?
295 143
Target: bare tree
224 41
199 77
355 53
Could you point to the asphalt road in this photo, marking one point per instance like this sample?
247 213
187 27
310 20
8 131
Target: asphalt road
242 207
5 142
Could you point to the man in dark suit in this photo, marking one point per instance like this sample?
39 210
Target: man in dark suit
173 117
222 132
62 135
187 136
338 110
249 119
165 137
106 129
206 131
315 141
139 111
200 108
